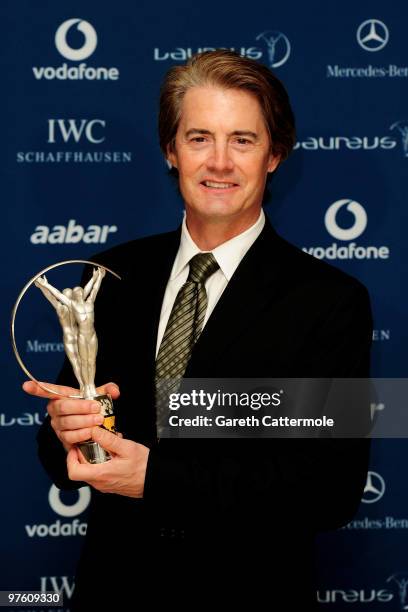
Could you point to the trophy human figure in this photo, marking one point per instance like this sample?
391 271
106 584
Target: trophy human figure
75 310
69 327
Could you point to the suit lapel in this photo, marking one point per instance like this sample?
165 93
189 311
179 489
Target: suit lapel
155 285
253 284
250 288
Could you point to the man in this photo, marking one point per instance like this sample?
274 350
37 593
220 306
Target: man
225 521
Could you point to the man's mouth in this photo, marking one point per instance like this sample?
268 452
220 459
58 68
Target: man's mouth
218 184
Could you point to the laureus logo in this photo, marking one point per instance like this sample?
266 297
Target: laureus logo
90 40
400 582
402 128
359 220
277 47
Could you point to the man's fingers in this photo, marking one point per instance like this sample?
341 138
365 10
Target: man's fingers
77 470
110 388
76 421
76 435
33 388
109 441
65 407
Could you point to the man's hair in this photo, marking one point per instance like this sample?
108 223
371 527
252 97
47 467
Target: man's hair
228 70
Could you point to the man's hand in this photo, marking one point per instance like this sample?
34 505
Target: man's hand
41 281
124 474
72 419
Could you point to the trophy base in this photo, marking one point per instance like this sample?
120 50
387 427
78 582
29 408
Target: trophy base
92 451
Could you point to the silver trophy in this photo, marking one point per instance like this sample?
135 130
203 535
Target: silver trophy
75 311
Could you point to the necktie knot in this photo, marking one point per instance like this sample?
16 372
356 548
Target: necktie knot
202 266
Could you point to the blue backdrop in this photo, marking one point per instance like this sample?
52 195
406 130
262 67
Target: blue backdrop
82 171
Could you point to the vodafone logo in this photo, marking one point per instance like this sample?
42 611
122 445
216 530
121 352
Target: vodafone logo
84 497
61 528
90 40
355 216
359 220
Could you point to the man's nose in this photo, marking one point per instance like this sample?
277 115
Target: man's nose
220 158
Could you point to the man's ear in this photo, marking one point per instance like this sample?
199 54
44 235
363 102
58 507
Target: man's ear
273 162
171 155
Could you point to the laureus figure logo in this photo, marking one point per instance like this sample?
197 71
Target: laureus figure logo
402 127
278 47
401 580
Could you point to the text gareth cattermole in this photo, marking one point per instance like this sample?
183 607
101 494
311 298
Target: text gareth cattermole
206 400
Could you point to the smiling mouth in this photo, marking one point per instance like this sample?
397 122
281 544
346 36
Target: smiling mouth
218 185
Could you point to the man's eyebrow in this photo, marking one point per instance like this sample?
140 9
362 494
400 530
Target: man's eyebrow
249 133
253 135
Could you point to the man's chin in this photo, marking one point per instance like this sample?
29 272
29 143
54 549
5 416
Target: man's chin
215 213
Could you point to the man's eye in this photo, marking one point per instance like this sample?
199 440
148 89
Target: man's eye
243 141
198 139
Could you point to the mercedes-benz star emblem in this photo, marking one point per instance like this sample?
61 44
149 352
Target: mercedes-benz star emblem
372 35
374 489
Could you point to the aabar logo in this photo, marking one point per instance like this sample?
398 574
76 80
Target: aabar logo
90 40
72 233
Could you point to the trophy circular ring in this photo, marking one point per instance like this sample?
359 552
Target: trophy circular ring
17 304
92 451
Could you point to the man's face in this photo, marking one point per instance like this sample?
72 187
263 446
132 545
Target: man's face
222 153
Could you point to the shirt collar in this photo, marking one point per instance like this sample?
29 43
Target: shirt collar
228 254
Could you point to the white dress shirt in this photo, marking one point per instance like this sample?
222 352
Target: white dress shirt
228 256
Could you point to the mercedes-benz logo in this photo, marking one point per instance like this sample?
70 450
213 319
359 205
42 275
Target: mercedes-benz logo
372 35
374 488
277 46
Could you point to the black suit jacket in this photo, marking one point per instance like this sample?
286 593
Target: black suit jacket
283 314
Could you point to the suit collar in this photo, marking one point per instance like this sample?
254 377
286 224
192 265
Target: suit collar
228 254
254 283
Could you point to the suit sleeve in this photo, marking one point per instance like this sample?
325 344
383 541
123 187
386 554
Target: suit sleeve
278 480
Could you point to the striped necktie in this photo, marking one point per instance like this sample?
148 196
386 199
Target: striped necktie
182 332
